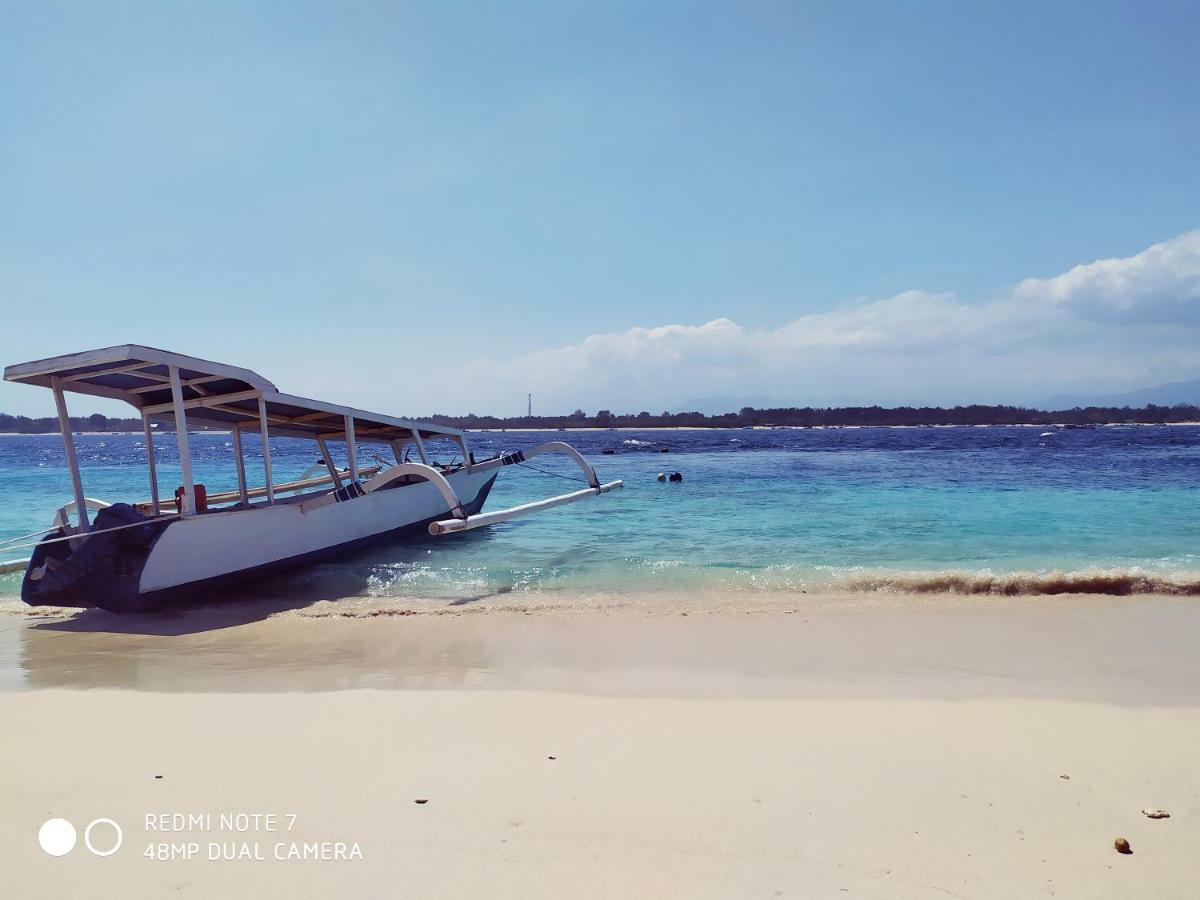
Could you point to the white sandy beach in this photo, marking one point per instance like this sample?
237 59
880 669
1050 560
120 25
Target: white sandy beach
904 752
646 797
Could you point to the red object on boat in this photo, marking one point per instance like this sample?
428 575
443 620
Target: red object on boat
201 498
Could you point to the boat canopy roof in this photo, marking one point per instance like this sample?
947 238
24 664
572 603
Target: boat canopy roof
213 394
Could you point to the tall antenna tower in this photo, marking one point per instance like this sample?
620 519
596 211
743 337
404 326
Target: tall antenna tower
529 406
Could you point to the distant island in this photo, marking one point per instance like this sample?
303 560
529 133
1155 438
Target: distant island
49 425
784 417
810 417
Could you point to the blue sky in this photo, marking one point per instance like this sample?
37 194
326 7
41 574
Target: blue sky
437 207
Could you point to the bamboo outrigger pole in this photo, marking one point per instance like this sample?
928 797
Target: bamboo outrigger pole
447 526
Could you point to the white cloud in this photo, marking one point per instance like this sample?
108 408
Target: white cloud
1108 325
1162 283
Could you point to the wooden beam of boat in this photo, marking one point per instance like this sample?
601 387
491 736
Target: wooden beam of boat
315 481
448 526
303 484
200 402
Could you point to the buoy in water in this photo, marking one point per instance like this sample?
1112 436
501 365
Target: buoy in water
676 476
662 476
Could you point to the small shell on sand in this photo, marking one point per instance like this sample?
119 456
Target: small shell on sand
1122 845
1156 813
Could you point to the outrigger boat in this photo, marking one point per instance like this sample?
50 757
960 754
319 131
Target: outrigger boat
134 557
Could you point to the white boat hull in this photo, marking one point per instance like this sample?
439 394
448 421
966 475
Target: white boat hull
199 548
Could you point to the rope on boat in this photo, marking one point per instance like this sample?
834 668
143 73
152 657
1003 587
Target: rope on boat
555 474
74 537
24 537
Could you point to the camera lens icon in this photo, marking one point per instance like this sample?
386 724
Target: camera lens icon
58 837
87 837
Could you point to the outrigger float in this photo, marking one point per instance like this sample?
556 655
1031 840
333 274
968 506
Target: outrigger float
135 557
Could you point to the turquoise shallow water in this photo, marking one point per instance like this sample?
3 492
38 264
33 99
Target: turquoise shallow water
971 509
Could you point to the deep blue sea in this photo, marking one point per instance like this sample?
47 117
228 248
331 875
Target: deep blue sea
996 509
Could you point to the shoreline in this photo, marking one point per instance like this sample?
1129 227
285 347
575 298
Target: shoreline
796 591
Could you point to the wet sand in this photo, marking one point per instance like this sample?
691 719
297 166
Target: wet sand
1126 650
905 749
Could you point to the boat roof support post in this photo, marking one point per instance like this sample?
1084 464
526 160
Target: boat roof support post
461 440
420 447
266 449
188 507
64 425
351 450
243 494
150 464
329 463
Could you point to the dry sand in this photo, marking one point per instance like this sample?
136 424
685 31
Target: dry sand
884 753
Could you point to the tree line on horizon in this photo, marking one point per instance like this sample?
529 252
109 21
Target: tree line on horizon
49 425
747 417
805 417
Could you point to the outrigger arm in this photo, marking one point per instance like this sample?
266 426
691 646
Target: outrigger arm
446 526
420 470
594 489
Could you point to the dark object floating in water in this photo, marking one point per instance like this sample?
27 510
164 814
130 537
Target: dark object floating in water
665 450
1156 814
1122 845
422 800
675 476
608 452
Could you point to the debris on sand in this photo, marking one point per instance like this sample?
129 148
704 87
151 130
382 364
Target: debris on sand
1156 814
1122 845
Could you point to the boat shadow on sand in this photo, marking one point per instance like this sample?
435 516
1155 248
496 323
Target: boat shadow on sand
346 580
